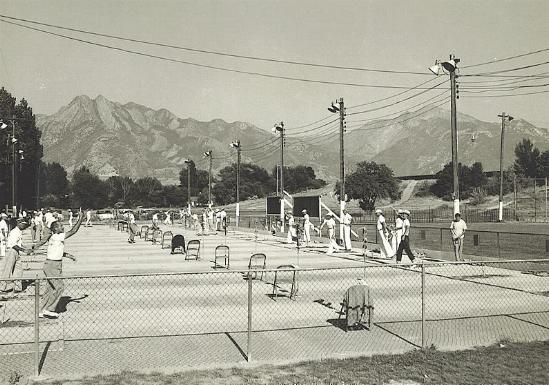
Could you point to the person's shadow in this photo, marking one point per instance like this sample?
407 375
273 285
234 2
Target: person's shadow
65 300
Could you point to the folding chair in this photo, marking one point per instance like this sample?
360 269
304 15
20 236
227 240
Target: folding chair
178 243
143 231
156 236
193 250
149 234
120 225
286 276
258 261
166 237
356 302
221 252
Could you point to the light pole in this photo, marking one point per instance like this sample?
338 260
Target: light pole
208 154
450 66
188 162
341 109
236 144
503 118
279 127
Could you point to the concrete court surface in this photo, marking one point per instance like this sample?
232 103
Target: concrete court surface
172 322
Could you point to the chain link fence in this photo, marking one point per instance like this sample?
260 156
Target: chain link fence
112 323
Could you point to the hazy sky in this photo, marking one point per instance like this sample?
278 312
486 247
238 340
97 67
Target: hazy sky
398 35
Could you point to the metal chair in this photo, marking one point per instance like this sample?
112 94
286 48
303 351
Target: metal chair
156 236
222 252
285 274
356 302
178 243
149 234
143 231
193 250
166 239
120 225
258 261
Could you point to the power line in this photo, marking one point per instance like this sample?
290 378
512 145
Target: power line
506 58
506 95
218 53
509 69
397 102
316 128
232 70
309 124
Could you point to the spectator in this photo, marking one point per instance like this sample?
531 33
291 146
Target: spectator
458 227
12 264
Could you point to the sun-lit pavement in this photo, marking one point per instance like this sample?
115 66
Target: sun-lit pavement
171 322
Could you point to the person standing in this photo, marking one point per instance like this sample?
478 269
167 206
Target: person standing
168 220
88 218
347 219
330 224
40 224
4 230
384 245
306 227
291 228
49 218
217 220
405 240
70 218
12 263
458 227
397 236
132 227
53 266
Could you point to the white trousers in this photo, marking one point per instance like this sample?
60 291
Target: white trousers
307 233
385 246
347 237
332 246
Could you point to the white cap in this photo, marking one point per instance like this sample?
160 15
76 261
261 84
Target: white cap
379 211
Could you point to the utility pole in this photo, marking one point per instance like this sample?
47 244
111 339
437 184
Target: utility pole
13 166
341 109
280 128
208 154
454 132
188 161
236 144
503 118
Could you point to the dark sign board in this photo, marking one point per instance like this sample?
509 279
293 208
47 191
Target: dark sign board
273 206
310 203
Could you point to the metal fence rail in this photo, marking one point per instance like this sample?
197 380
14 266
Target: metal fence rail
111 323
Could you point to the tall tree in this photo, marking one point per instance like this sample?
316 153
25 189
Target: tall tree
199 180
254 181
88 190
527 160
300 178
28 141
370 182
147 191
54 185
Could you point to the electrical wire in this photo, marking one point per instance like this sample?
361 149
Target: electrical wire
309 124
211 52
506 58
315 128
509 69
394 103
212 67
506 95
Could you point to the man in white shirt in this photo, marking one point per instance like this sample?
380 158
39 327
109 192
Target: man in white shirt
4 230
292 233
70 218
49 219
88 218
306 227
223 219
132 227
405 240
155 220
384 245
12 264
347 219
397 237
330 223
458 228
53 265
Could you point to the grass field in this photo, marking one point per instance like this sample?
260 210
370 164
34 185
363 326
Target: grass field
504 363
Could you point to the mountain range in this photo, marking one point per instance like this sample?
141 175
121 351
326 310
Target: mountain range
133 140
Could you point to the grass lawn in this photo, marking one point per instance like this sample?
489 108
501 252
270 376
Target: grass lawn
504 363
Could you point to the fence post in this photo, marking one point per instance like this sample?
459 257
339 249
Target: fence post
441 241
499 250
422 305
249 346
36 327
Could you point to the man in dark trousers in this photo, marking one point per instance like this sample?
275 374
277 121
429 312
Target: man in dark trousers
405 241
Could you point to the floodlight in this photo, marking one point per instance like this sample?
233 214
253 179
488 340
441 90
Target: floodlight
2 125
333 108
510 118
449 65
435 68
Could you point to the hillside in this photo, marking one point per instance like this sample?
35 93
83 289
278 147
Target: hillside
134 140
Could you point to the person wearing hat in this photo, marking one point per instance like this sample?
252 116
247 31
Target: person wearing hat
292 233
132 227
12 264
347 219
306 227
4 230
405 240
330 223
397 236
384 245
458 228
53 265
